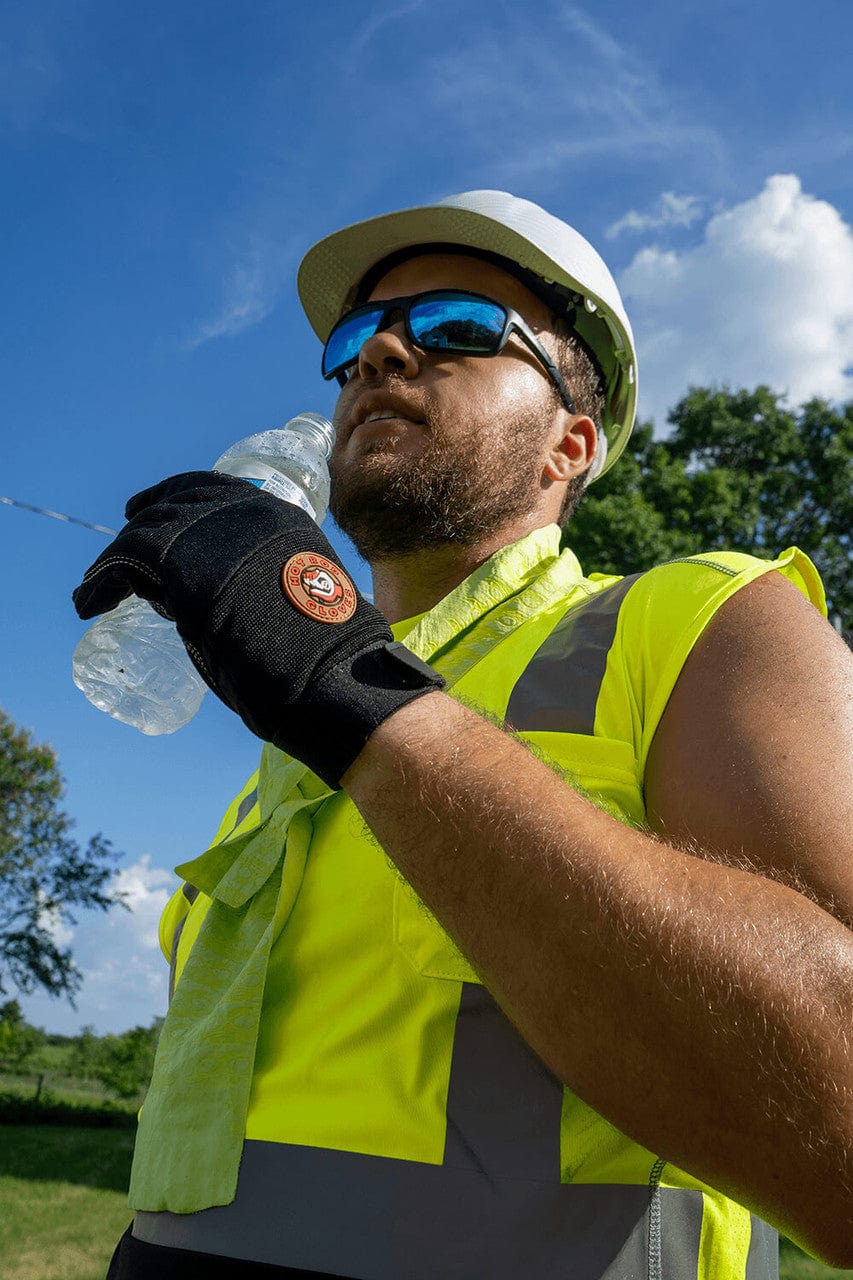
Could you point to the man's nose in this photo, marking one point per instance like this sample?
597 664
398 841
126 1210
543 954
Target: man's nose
388 351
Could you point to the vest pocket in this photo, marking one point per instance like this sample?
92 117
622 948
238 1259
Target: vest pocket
422 940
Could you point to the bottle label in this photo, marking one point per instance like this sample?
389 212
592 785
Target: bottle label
280 487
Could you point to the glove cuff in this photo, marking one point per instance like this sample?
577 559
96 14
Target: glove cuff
347 701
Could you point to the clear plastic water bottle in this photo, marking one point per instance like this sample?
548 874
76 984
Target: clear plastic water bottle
131 662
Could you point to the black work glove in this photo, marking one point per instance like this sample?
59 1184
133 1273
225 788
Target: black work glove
272 622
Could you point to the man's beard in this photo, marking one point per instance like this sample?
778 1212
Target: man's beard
460 489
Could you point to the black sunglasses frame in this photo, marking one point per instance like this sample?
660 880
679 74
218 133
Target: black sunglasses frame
513 323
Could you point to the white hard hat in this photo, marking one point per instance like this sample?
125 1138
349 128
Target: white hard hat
496 223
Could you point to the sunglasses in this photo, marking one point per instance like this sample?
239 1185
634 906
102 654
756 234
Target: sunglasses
441 320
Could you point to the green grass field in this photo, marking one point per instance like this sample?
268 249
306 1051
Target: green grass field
64 1200
63 1194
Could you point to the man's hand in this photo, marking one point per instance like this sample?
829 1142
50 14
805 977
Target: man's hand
268 616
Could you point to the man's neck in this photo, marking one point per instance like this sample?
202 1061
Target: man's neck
409 585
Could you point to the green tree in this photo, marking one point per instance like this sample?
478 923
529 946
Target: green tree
740 471
44 872
18 1040
83 1059
124 1063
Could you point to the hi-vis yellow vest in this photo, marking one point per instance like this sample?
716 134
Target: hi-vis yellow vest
398 1126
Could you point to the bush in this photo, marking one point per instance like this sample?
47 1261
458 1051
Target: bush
48 1110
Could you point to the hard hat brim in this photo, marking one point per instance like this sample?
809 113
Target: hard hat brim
499 224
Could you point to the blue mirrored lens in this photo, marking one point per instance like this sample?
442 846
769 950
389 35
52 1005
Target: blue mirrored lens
435 322
457 324
346 342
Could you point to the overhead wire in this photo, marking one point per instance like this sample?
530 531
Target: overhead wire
58 515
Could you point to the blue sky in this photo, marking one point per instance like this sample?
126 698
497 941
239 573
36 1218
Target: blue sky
165 166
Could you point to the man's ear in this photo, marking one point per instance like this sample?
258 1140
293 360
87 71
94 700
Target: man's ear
573 451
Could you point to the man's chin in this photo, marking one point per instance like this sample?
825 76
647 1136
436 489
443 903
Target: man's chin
375 459
393 504
381 521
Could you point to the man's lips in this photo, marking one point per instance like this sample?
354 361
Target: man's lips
377 425
386 408
383 434
384 415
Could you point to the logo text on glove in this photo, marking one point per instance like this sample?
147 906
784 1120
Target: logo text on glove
318 587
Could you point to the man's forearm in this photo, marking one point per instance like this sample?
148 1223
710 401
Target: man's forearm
702 1009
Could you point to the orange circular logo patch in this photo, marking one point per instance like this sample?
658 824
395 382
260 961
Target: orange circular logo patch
318 587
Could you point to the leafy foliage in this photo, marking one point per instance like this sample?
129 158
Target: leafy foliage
738 471
18 1040
121 1064
44 872
83 1059
124 1063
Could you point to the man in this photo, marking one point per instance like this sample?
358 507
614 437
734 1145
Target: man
543 967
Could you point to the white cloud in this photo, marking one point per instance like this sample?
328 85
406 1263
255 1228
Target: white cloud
604 103
766 297
125 976
251 288
671 211
371 24
51 921
146 891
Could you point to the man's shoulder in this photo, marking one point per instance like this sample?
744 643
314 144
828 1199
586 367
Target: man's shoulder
667 608
637 631
683 569
679 587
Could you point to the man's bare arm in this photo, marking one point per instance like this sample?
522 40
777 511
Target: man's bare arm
703 1008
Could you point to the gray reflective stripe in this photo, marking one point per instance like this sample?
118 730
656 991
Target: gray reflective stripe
190 892
762 1261
383 1219
559 688
245 807
674 1251
503 1104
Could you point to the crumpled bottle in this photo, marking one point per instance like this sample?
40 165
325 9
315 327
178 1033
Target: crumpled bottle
131 663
